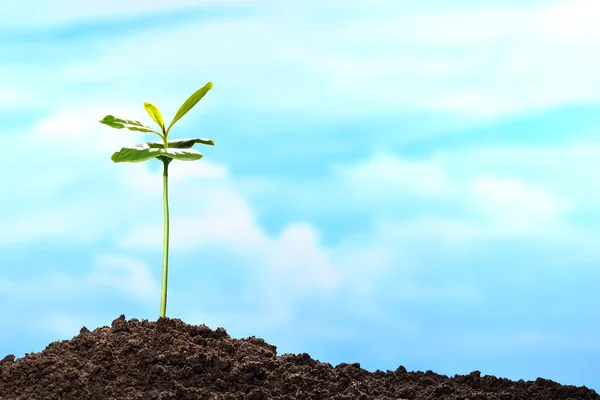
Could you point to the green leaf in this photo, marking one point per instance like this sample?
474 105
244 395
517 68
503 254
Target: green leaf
119 123
181 143
143 152
155 114
190 102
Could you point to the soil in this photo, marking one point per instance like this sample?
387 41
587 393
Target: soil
170 359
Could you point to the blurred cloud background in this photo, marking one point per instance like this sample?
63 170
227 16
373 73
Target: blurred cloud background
393 183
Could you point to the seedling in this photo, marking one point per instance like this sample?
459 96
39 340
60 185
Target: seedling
166 151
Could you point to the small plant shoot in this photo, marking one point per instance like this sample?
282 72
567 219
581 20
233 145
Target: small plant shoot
166 151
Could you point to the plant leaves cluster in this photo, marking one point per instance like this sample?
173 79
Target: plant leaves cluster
175 149
165 151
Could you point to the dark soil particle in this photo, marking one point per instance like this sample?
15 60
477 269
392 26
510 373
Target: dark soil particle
169 359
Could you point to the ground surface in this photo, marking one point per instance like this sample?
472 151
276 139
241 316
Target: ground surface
169 359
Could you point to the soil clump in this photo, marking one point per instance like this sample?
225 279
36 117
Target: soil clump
169 359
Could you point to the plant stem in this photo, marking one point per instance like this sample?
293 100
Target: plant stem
165 266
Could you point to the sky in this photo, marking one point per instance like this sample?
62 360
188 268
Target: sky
393 183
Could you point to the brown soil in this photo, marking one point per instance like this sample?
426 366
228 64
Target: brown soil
169 359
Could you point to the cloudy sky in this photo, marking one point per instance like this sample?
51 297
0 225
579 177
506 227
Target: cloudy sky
394 183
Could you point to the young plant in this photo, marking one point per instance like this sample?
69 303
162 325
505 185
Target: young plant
165 151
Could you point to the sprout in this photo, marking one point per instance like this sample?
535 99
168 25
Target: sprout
165 151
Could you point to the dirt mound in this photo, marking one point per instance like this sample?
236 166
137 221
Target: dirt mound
169 359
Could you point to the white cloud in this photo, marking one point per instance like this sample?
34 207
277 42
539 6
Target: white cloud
568 20
449 233
573 162
388 175
40 13
213 218
497 191
74 218
485 62
129 277
75 132
297 258
519 206
294 260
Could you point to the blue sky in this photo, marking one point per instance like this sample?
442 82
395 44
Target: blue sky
393 183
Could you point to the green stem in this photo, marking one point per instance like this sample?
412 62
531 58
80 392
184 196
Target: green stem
165 266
